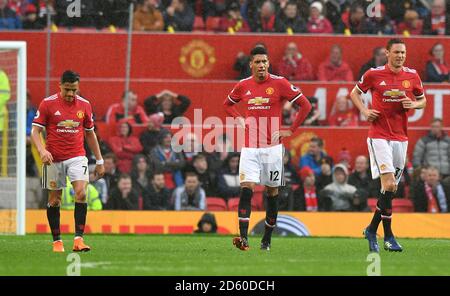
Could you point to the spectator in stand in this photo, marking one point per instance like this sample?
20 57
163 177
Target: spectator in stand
382 24
232 21
210 8
289 21
398 8
191 147
157 196
438 21
317 23
136 114
294 66
168 161
125 146
31 169
165 102
124 196
326 176
342 113
206 177
152 135
305 196
378 59
355 21
112 173
411 25
290 113
361 177
179 16
436 68
141 173
434 149
264 20
315 156
242 63
339 195
8 18
223 147
30 19
431 196
334 68
228 184
68 198
147 17
289 172
99 184
87 10
103 145
190 196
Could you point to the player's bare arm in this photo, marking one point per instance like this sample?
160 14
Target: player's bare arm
92 142
46 156
410 104
356 97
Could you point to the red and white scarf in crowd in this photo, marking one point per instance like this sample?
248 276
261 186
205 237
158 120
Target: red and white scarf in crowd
311 199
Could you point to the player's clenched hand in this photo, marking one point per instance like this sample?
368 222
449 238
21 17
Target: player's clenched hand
46 157
371 114
99 171
278 135
408 103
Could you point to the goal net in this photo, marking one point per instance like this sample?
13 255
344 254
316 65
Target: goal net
12 137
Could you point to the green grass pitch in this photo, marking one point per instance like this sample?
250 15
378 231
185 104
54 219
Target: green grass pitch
215 255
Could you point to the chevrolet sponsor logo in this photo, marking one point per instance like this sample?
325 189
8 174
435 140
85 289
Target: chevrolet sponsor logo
258 101
68 124
394 93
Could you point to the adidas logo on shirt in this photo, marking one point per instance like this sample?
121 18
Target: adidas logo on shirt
57 112
248 93
383 83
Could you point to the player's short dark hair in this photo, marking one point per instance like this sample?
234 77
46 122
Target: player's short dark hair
70 77
258 50
394 41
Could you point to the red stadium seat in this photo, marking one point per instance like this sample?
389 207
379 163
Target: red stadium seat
212 23
372 203
233 204
402 205
216 204
199 24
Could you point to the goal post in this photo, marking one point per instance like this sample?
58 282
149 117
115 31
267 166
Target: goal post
13 64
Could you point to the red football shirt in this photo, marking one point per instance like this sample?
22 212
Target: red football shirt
388 88
263 106
65 124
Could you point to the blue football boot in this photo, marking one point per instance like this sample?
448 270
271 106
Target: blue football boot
391 245
372 238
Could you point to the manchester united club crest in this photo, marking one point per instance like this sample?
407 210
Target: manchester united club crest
197 58
270 90
80 114
52 184
406 83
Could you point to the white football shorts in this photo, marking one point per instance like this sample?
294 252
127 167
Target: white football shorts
54 176
387 157
262 165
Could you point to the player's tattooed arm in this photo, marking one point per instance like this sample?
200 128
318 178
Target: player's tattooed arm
410 104
46 156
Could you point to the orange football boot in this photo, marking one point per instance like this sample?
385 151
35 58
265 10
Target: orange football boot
79 246
241 243
58 246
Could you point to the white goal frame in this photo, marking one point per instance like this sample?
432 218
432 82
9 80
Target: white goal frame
21 47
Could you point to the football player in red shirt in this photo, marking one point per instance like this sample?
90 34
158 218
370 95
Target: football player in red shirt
66 117
395 90
262 155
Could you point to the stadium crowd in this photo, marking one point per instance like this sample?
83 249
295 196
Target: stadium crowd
408 17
